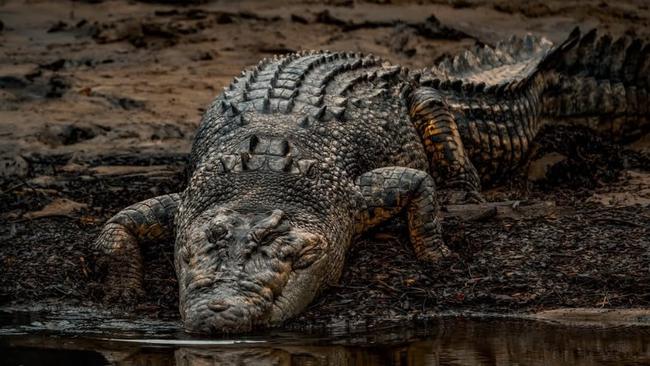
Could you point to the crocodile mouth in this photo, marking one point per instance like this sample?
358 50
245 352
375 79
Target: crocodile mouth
229 311
246 304
241 271
233 306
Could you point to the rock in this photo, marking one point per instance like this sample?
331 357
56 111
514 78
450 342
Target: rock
68 134
43 181
14 166
119 31
74 168
56 86
58 27
58 207
538 169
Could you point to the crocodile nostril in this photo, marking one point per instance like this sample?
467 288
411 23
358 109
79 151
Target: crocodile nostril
218 306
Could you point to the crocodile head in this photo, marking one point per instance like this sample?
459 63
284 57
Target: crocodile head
239 269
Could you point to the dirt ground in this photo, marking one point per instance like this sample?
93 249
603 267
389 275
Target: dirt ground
99 101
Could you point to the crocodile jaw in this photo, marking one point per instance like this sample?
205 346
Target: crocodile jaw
241 271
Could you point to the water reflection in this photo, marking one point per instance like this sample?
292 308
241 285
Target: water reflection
446 342
262 356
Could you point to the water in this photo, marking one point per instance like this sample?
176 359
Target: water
78 337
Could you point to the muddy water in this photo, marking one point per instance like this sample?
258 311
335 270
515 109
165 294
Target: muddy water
75 338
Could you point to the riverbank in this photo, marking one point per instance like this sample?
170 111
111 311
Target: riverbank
99 103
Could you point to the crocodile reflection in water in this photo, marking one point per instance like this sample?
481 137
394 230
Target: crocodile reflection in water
458 342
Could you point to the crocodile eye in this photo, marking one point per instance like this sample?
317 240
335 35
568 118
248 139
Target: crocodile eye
217 232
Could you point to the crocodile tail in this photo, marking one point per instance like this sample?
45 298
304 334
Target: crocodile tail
599 82
512 60
494 96
501 96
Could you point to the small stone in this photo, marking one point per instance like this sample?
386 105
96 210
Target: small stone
15 166
538 169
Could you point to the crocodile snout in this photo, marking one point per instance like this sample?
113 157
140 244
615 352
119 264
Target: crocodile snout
230 315
240 270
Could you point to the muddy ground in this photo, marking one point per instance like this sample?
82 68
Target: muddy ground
99 101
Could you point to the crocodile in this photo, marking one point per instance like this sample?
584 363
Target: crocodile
303 153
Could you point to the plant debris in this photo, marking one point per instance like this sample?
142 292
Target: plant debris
101 108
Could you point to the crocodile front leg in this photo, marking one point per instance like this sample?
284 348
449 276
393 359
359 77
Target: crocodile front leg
388 191
449 163
119 243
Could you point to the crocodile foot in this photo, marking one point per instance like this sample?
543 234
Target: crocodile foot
121 260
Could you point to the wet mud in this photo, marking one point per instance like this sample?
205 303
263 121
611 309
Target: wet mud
99 102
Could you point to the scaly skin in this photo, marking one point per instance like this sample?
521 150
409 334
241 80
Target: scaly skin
303 153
